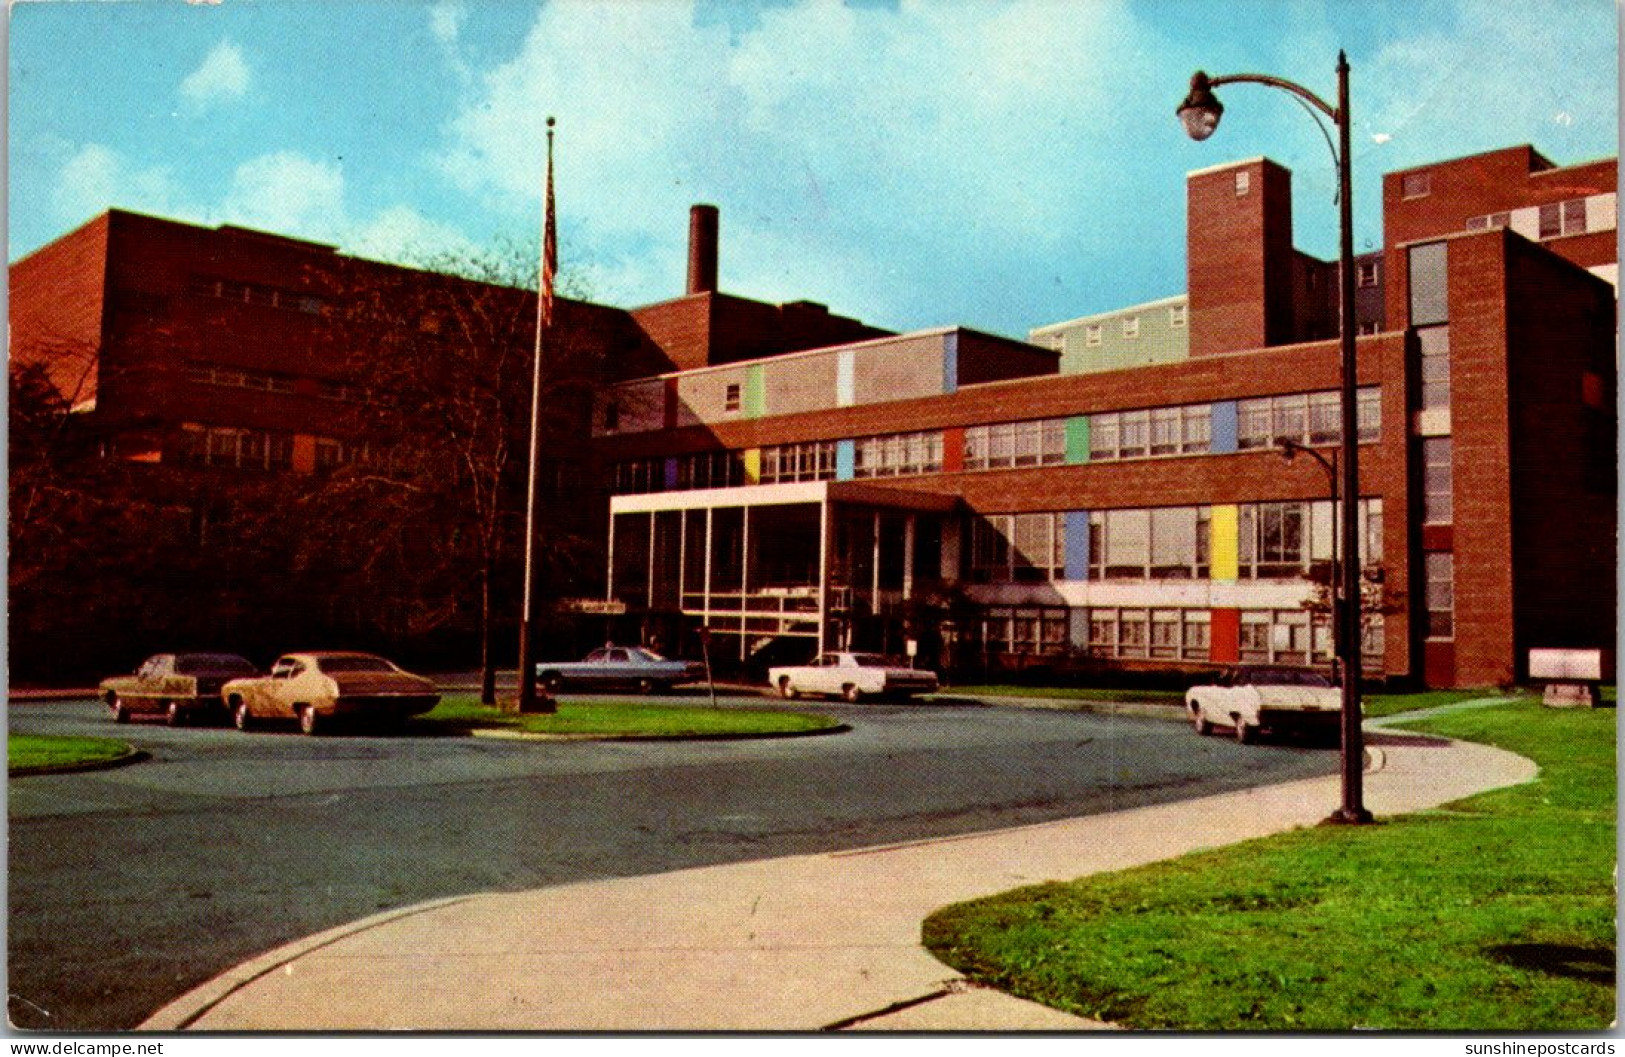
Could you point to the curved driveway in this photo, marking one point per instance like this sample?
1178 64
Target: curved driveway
129 887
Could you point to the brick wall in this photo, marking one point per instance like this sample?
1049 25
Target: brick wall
1239 258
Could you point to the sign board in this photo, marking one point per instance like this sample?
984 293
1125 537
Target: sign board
594 606
1584 666
912 648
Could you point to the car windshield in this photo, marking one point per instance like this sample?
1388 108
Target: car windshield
1285 677
213 664
355 664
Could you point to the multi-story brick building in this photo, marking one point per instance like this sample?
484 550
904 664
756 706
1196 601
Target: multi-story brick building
1137 510
783 475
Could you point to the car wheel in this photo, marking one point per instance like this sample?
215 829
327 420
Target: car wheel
787 689
646 686
552 682
852 693
1203 726
121 714
1244 731
309 721
174 715
241 717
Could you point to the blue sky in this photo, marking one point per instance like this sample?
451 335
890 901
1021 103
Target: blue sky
912 162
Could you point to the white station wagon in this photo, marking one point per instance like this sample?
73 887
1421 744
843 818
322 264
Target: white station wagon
853 676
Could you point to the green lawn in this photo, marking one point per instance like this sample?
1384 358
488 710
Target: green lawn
1492 914
461 713
29 753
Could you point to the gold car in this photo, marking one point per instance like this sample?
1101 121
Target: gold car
316 689
178 686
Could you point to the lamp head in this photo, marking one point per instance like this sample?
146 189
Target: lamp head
1201 110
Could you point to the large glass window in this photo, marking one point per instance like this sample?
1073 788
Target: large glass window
1027 548
1438 579
1437 488
1434 343
1430 294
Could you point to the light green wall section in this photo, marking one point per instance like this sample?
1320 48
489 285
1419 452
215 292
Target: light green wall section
1157 341
754 403
1077 439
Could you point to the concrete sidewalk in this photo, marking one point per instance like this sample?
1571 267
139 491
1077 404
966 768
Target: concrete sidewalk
805 943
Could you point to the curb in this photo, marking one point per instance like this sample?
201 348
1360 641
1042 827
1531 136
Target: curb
131 755
498 734
187 1009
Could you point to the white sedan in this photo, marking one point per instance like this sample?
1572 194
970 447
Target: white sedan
1251 699
853 676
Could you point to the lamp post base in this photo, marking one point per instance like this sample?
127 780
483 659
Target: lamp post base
1344 816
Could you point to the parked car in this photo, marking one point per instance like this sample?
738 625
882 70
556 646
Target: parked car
315 689
1251 699
853 676
179 686
611 666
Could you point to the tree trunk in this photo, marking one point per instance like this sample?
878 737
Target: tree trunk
488 669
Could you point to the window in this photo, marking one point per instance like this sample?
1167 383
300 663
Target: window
1177 315
1197 429
1416 185
1434 345
897 454
1104 431
1429 280
1563 218
1167 428
1091 335
1493 220
1131 326
1022 548
1197 635
1162 543
1436 481
1041 442
1438 578
1365 273
730 397
1244 181
245 449
1135 434
811 461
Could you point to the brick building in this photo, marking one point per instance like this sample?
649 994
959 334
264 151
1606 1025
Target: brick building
1111 492
1133 509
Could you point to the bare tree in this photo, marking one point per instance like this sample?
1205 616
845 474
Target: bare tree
444 356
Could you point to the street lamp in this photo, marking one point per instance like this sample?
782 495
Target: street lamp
1200 113
1290 449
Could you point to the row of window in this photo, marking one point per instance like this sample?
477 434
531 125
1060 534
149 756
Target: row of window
1094 333
269 382
259 294
1305 418
247 449
897 455
1556 219
1184 430
258 449
1265 636
1278 540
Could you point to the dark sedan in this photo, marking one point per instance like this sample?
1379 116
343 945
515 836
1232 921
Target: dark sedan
631 667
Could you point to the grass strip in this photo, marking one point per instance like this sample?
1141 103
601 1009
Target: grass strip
33 753
460 713
1495 913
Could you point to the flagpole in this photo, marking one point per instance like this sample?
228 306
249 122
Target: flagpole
544 317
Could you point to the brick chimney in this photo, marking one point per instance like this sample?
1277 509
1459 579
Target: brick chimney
702 249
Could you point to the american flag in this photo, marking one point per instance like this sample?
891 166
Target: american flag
550 242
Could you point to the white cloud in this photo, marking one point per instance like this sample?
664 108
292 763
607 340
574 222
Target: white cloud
287 192
96 178
222 77
957 126
401 233
446 22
